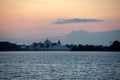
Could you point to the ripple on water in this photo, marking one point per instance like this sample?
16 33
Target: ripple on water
60 66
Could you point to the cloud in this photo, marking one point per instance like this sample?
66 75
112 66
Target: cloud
90 38
76 20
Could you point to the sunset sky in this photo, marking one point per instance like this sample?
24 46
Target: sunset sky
35 19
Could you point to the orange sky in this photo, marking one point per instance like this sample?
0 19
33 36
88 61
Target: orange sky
26 18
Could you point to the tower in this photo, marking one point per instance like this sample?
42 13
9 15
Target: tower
59 42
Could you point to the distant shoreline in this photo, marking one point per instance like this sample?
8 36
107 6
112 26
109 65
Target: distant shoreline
55 51
57 46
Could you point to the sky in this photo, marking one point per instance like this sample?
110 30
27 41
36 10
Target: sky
36 19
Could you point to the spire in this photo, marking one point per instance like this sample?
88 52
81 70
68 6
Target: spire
59 42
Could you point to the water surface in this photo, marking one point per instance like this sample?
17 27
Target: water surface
48 65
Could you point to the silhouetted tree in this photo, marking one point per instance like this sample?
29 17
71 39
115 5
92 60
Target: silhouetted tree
115 46
7 46
75 48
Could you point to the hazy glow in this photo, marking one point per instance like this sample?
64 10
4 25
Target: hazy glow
28 19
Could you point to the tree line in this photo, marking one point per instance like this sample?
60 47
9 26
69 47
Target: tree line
115 46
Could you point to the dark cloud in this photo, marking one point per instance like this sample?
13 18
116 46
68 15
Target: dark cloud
75 20
85 37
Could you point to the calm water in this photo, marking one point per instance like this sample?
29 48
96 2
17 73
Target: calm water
59 65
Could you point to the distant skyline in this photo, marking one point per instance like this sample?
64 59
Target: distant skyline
30 20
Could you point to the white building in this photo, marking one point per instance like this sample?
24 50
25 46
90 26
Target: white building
59 47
